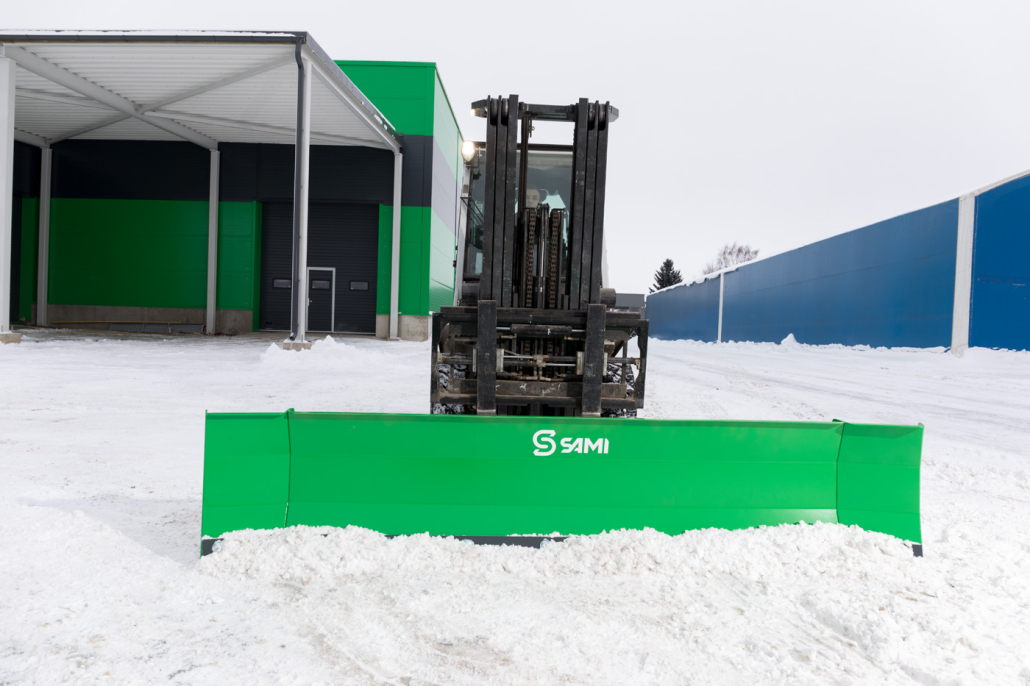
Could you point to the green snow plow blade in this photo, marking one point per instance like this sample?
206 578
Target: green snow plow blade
465 475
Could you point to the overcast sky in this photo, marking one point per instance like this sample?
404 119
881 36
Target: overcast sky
770 123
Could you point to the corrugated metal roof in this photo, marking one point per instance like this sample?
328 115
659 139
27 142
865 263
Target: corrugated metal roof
162 77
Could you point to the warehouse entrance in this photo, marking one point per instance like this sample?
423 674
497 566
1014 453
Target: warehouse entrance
343 238
321 298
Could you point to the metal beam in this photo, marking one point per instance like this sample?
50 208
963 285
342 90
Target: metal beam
43 270
30 138
39 66
147 109
7 78
302 149
395 261
963 273
75 100
212 245
722 293
87 129
220 83
263 128
348 99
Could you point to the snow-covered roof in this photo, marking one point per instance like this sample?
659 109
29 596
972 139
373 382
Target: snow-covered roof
207 87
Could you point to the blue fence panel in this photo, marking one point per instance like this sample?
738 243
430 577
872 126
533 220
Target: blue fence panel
685 312
999 313
888 284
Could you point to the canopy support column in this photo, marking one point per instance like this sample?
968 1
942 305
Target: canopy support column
43 268
300 203
395 262
212 245
6 194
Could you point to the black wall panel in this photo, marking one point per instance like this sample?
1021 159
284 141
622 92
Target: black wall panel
159 170
417 174
340 174
238 172
276 265
130 170
26 170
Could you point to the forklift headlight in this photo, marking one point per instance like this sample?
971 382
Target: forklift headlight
468 151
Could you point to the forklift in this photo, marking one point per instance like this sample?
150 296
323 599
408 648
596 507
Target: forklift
535 331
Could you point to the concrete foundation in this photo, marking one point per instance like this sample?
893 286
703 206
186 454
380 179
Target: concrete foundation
296 345
101 317
6 338
410 327
414 328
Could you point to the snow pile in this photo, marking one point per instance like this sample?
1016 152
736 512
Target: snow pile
789 342
787 604
101 448
319 555
331 355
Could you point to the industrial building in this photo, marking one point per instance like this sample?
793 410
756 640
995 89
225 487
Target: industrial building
187 182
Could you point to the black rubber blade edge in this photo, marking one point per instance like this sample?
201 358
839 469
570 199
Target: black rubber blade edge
207 545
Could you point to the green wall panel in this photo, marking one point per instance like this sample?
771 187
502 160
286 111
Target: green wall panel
135 253
29 257
239 241
415 252
414 298
152 253
257 267
385 259
403 91
441 264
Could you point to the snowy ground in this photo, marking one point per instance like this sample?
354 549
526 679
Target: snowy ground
101 441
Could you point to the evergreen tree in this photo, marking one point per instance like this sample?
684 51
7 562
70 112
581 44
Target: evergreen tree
666 276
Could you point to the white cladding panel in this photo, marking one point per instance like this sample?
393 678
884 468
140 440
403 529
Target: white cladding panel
149 72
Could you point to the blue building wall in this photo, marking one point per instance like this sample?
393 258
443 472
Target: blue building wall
685 312
888 284
999 315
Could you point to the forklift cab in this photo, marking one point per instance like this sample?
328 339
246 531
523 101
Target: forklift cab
549 174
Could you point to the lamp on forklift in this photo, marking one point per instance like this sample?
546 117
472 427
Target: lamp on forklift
468 151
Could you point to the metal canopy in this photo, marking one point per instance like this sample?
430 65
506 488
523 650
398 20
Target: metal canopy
204 88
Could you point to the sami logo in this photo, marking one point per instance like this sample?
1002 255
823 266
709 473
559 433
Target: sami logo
545 445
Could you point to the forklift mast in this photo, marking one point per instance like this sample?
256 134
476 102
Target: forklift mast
535 332
513 273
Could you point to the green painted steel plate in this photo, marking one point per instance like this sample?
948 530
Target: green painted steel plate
497 476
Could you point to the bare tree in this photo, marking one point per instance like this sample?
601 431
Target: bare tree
731 254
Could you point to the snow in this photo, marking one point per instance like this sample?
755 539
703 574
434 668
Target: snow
101 444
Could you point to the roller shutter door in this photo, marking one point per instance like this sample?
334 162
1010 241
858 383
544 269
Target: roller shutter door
341 236
276 265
